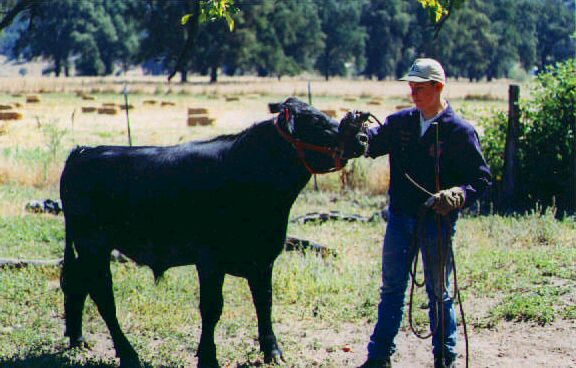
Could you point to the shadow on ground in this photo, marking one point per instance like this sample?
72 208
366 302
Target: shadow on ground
53 360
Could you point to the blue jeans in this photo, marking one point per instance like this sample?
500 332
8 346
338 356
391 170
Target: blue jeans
397 255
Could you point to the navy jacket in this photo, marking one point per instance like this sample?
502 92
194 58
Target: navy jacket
461 160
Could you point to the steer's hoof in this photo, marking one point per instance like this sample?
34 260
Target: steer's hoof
208 363
274 357
130 362
79 343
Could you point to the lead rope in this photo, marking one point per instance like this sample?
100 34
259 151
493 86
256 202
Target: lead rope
419 243
417 240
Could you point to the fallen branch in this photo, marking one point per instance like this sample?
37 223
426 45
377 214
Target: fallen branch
321 217
21 263
292 244
303 245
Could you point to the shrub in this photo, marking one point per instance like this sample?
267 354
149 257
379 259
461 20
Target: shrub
547 141
493 142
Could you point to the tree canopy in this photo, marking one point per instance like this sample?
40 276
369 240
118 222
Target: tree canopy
376 38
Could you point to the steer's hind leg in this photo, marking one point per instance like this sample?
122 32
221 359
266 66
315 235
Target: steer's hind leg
100 290
261 287
211 303
74 288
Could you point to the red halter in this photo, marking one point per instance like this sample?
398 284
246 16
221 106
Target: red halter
300 147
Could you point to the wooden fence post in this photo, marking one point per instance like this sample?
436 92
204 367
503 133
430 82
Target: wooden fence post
509 185
572 194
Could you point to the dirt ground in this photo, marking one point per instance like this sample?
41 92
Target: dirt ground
509 345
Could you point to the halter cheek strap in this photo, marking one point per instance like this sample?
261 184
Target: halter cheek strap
301 147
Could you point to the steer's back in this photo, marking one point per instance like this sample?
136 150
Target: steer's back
119 179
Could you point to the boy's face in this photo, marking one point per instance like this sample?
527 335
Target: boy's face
425 95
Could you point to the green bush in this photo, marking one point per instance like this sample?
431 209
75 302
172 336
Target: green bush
547 143
547 140
493 142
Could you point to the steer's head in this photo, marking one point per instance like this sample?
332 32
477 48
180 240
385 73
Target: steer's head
322 143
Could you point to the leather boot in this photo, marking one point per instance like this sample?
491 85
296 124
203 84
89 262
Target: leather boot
377 363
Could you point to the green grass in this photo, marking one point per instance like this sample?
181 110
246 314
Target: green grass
525 264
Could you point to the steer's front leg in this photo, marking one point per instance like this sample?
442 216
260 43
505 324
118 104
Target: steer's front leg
261 287
211 303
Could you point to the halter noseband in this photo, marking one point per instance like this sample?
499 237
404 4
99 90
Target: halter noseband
301 147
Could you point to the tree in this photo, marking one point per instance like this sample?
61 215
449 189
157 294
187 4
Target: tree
92 35
526 17
54 35
386 23
345 37
472 42
505 52
212 46
281 37
555 30
124 18
164 35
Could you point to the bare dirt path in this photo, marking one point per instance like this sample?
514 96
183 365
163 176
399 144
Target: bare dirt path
509 345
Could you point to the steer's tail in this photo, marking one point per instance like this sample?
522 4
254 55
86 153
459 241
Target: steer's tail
69 255
69 263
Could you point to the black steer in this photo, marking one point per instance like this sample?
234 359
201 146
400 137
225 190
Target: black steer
221 204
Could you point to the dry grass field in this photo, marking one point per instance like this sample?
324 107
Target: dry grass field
159 111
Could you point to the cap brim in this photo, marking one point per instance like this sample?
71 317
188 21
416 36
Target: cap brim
414 78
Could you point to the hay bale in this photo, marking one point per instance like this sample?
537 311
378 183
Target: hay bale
108 104
167 103
107 110
123 107
150 102
197 111
402 107
374 102
87 97
231 98
5 107
350 99
331 113
10 115
88 109
32 99
199 121
17 104
17 95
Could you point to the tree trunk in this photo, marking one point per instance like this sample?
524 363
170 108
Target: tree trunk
213 74
192 28
57 67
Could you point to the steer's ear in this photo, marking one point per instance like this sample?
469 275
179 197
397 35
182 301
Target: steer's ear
275 107
285 114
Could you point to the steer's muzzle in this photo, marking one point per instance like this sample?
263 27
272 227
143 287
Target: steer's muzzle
352 130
